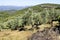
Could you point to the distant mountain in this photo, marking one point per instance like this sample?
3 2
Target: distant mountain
2 8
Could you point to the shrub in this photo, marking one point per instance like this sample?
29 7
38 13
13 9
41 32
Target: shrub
1 27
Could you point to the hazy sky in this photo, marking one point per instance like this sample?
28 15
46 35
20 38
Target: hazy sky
26 2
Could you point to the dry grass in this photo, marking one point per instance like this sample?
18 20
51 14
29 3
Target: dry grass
22 35
15 35
28 27
43 26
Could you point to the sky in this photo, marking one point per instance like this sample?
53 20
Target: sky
26 2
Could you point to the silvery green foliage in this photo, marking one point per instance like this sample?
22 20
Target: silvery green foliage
31 17
9 23
44 16
19 21
1 26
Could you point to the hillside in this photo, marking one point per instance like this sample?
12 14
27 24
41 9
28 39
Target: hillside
31 23
41 8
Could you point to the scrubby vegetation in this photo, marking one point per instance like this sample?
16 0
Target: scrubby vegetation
29 17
